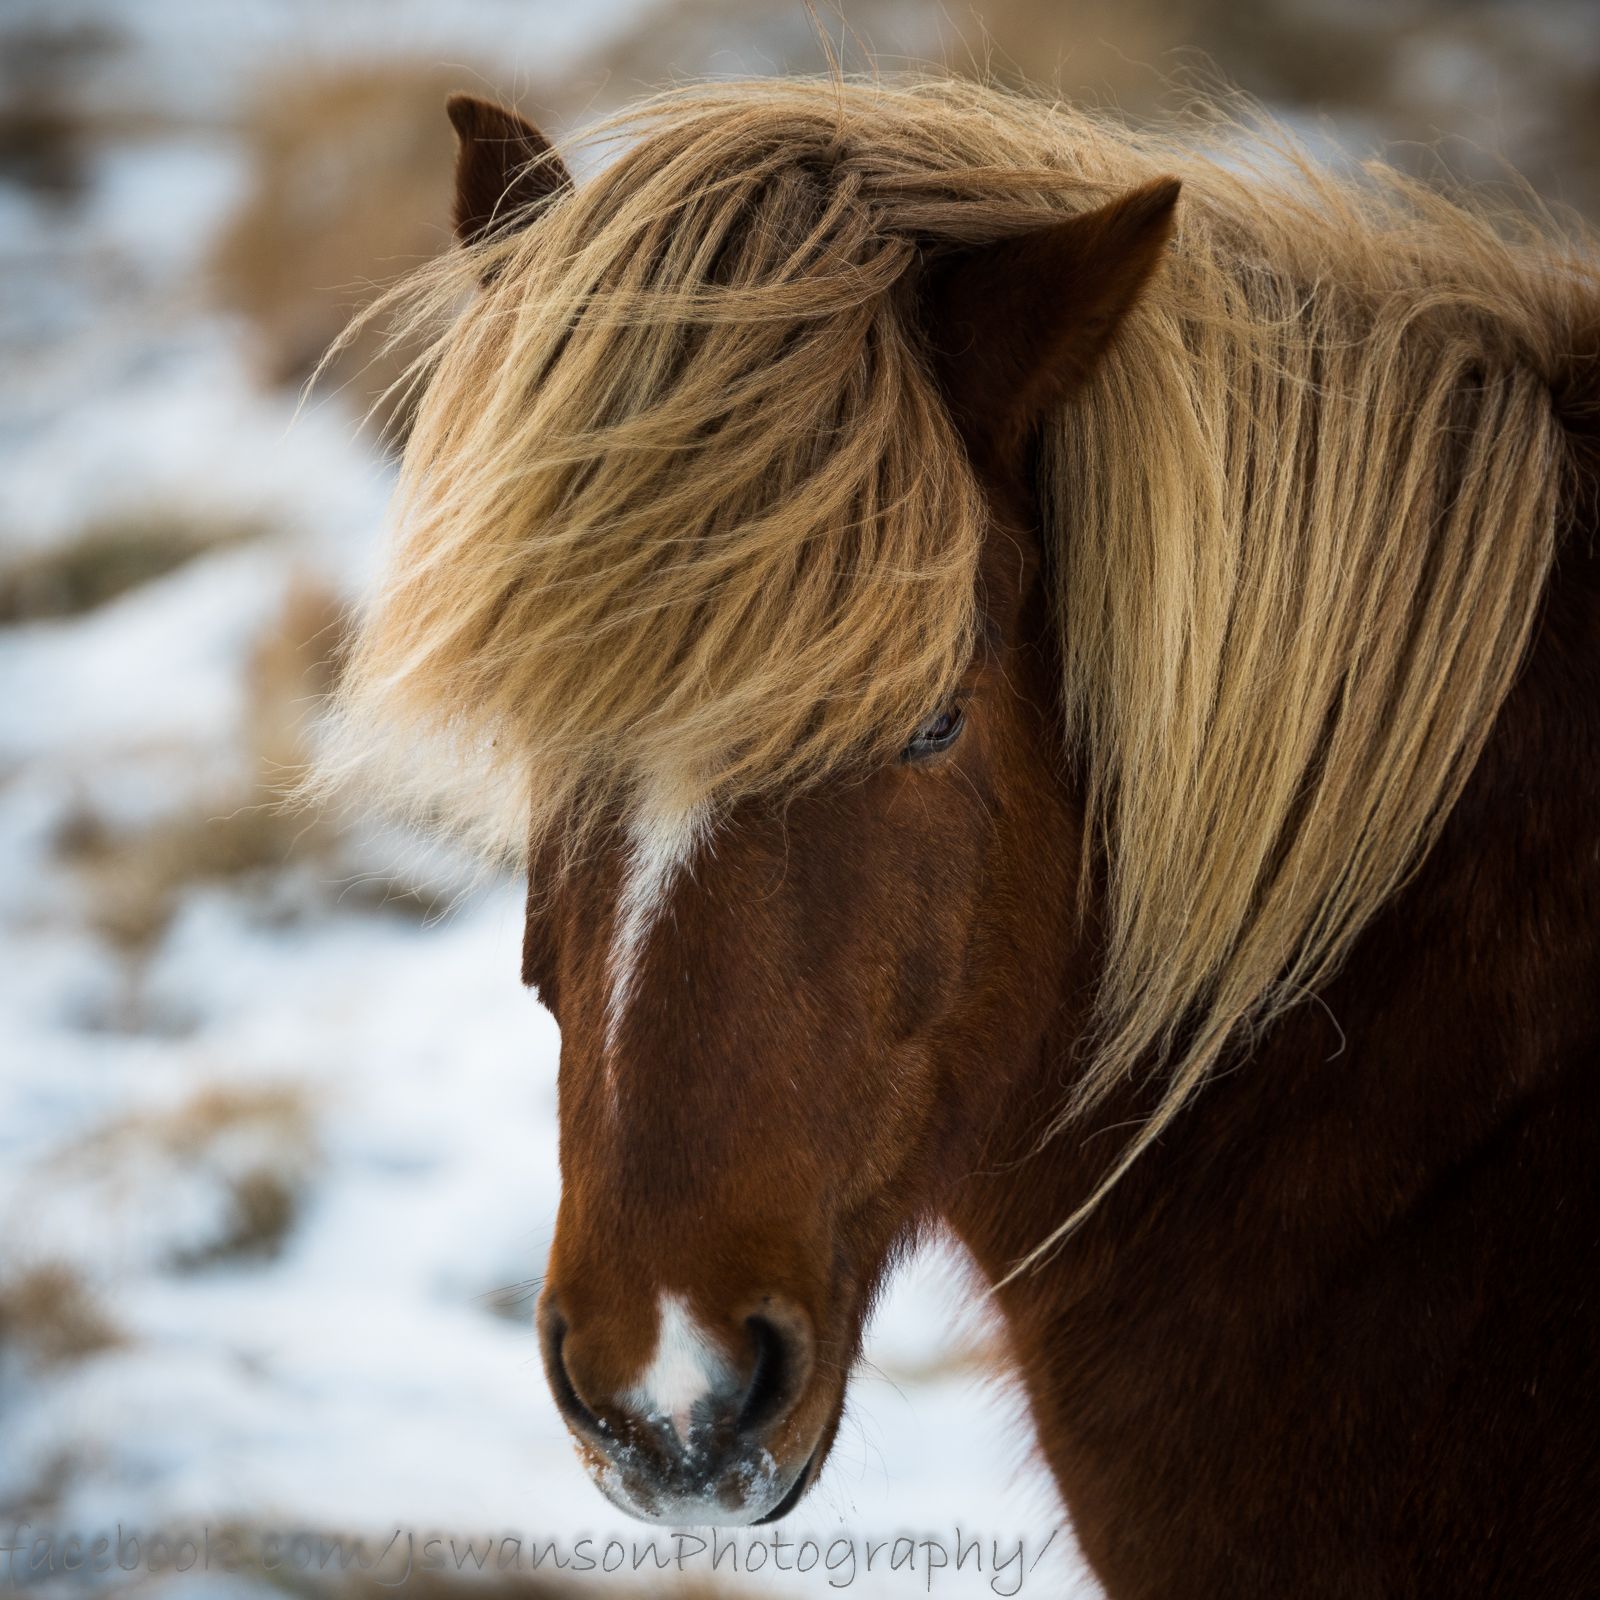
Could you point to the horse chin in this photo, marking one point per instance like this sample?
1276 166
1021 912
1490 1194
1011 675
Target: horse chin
797 1491
758 1492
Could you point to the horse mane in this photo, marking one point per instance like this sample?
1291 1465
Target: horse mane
682 513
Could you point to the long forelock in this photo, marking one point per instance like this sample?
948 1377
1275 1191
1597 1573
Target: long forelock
681 508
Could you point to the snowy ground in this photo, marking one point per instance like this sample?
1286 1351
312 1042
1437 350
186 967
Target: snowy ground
277 1158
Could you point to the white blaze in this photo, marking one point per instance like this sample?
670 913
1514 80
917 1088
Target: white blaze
687 1367
662 839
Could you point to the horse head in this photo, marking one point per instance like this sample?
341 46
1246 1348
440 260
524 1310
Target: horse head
783 1019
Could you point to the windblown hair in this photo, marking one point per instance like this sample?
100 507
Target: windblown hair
682 511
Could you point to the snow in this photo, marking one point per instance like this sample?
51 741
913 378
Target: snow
379 1369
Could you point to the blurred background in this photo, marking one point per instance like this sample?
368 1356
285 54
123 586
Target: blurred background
277 1149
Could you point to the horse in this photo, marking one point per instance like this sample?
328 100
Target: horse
1045 676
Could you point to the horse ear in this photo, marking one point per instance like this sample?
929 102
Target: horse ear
503 165
1017 325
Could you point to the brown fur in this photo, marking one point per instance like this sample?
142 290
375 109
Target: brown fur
1334 1333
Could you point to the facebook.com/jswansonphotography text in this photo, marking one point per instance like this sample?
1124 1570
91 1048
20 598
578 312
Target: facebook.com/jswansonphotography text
924 1563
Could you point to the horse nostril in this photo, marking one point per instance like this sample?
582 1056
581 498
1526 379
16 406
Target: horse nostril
778 1375
553 1337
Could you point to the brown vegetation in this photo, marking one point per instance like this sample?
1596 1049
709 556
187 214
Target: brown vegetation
350 188
51 1316
46 128
108 558
488 1585
256 1141
134 878
1494 76
265 1196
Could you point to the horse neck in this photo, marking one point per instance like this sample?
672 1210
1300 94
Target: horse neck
1471 991
1330 1269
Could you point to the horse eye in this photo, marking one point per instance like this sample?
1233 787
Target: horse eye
939 732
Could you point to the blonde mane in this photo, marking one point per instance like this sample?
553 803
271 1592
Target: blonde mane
682 512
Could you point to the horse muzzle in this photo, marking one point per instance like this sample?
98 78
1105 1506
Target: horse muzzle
712 1430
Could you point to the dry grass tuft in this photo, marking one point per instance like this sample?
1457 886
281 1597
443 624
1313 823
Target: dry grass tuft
218 1177
50 1315
135 878
1503 89
47 129
374 1584
109 558
985 1356
352 170
265 1196
294 665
